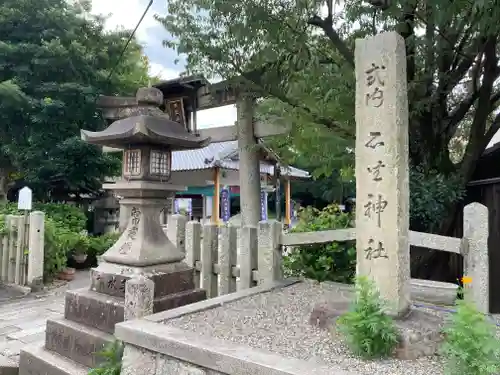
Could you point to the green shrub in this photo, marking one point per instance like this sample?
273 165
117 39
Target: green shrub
470 346
73 217
368 331
112 364
334 261
59 241
100 244
81 243
63 226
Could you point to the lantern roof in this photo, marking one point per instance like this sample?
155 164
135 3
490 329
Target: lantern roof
150 126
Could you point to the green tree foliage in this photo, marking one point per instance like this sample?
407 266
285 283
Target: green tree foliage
55 59
334 261
300 55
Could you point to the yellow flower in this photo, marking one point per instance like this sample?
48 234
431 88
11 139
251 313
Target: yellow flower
466 280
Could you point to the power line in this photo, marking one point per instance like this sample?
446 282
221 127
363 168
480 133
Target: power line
129 40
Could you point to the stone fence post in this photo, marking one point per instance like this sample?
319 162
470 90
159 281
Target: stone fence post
193 248
476 263
248 256
36 238
139 295
209 257
176 231
270 258
228 258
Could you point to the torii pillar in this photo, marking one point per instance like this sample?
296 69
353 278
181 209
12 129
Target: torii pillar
249 161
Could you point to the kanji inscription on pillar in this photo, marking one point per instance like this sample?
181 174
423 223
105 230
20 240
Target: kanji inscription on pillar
382 189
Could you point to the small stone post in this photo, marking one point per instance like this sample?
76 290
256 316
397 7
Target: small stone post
248 256
476 263
382 182
193 248
209 255
270 258
227 259
139 296
36 250
176 231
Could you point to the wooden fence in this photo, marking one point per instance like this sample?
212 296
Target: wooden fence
227 259
21 249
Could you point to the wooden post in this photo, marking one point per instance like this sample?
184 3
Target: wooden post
277 189
287 202
204 208
216 201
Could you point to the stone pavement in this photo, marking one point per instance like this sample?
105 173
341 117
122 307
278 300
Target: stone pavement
22 321
8 294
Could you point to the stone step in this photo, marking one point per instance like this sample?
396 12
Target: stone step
103 311
76 341
94 309
37 360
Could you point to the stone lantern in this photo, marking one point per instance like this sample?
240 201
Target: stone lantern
147 136
148 141
161 280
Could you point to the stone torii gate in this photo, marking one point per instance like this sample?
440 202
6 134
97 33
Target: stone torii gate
183 97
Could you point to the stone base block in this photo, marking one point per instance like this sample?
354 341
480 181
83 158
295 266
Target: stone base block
109 278
419 332
76 341
103 311
40 361
8 367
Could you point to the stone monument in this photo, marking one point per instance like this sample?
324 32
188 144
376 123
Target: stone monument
382 183
382 194
143 250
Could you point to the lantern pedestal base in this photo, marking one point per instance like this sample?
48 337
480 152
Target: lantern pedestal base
143 243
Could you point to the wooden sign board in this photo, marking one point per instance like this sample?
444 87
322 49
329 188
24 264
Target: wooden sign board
217 95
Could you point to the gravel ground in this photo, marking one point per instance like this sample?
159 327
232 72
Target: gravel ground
277 321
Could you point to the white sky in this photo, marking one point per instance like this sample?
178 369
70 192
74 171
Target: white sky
127 13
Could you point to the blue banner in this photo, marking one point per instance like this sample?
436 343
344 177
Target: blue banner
225 205
176 206
263 205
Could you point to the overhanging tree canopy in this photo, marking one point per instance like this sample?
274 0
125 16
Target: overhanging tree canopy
55 59
300 53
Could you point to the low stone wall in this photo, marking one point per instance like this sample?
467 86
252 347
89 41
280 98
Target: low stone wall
151 363
153 348
156 347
